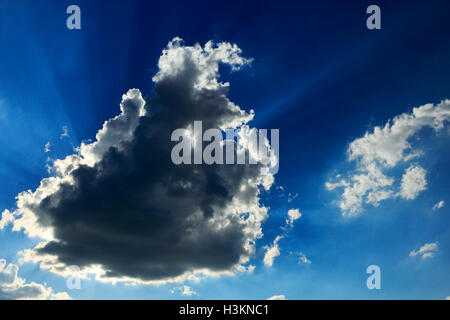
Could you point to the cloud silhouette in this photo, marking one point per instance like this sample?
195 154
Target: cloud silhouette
122 209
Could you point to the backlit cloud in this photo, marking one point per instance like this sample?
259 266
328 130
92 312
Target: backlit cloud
121 209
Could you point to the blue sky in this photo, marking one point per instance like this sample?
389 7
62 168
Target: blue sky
318 75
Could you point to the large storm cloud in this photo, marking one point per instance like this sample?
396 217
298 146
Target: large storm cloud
121 207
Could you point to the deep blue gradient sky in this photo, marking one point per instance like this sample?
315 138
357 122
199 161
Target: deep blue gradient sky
319 75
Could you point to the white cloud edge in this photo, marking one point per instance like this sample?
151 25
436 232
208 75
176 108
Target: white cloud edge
12 286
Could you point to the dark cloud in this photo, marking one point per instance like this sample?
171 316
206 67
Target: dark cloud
122 204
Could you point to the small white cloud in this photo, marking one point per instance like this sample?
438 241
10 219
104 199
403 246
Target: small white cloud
184 290
302 259
47 147
333 185
439 205
293 214
413 182
292 197
283 193
447 298
65 132
272 252
278 297
428 250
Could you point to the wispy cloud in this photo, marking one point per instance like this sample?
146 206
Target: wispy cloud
273 250
428 250
65 132
439 205
302 259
